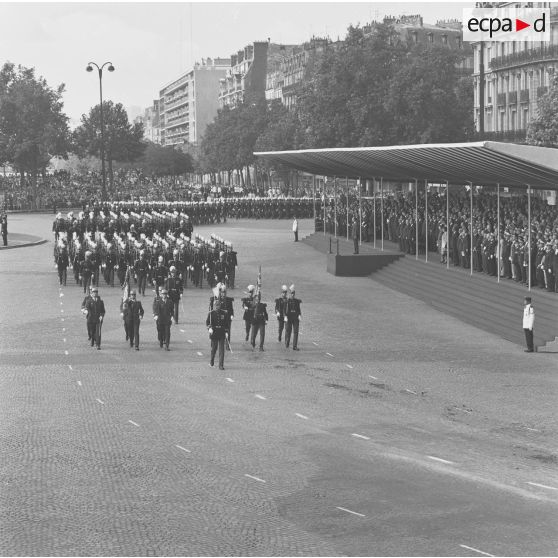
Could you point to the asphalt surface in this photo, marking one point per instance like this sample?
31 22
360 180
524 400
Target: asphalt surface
395 431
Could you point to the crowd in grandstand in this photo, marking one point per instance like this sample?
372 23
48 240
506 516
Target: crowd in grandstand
510 259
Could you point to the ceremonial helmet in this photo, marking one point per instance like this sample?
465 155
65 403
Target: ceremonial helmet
284 289
251 288
172 269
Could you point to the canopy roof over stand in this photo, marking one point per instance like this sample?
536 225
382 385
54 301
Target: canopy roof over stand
483 163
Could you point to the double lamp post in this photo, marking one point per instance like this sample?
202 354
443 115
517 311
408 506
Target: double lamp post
100 70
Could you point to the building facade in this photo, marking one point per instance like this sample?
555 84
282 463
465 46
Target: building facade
247 76
188 104
509 78
151 129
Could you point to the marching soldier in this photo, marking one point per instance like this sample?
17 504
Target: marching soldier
247 306
132 313
218 323
280 306
259 321
87 298
160 274
221 270
62 263
86 271
141 269
292 318
226 304
95 312
163 309
175 289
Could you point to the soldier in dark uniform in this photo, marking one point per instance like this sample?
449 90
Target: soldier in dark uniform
141 269
110 264
4 227
62 263
163 309
83 311
86 271
218 323
221 270
259 321
160 274
95 312
292 318
280 305
175 288
247 306
226 304
132 312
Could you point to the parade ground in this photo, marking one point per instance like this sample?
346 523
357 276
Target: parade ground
395 430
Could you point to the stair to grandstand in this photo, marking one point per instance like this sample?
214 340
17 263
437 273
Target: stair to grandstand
476 299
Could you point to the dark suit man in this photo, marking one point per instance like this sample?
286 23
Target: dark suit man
174 287
280 305
218 323
95 311
292 318
163 310
259 321
133 314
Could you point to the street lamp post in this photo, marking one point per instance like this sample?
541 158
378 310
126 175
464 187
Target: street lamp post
100 70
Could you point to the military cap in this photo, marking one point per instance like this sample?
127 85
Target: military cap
164 291
172 268
251 288
132 293
94 290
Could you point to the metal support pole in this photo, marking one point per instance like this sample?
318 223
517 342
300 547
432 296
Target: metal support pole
416 220
382 208
374 192
529 229
314 200
325 203
335 204
347 186
426 218
447 225
498 247
471 230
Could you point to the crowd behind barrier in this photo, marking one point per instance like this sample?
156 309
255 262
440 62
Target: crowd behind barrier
510 259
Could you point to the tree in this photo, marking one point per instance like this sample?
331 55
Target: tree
422 98
33 127
163 161
123 141
543 129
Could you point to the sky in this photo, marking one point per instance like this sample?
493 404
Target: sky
151 43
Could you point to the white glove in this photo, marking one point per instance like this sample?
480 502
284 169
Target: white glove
155 317
100 318
210 331
285 319
141 317
122 315
300 317
278 314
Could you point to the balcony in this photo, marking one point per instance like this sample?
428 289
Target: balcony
501 99
530 56
512 98
511 136
524 96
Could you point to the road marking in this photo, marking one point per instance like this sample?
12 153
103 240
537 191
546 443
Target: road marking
349 511
64 340
200 354
475 550
314 343
349 366
373 377
230 380
542 485
260 396
411 391
134 423
360 436
182 331
440 460
78 383
62 310
62 319
63 329
532 429
255 478
66 353
60 302
61 295
301 416
101 402
183 449
329 354
70 366
189 340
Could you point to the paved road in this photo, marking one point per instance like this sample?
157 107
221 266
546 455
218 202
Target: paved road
394 431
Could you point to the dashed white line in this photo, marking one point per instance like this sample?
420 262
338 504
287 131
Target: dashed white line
134 423
411 391
542 485
101 402
301 416
475 550
189 340
349 511
329 354
230 380
373 377
255 478
78 383
182 331
63 329
70 366
532 429
314 343
64 340
66 353
62 310
60 302
440 460
61 295
349 366
360 436
183 449
62 319
200 354
260 396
